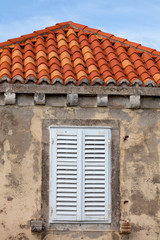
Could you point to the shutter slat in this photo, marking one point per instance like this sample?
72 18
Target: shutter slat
66 151
74 160
96 143
67 181
94 151
100 155
66 155
66 137
66 142
95 146
90 200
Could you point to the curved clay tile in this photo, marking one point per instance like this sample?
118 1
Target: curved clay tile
130 72
87 56
6 52
29 60
17 64
51 42
72 38
151 66
99 56
52 55
156 77
53 60
51 48
42 60
30 73
68 74
40 48
5 73
17 75
5 65
81 75
102 62
75 49
65 55
63 49
78 61
96 80
106 74
77 55
29 54
5 58
61 36
41 54
93 75
51 39
43 74
28 67
79 68
97 50
119 76
39 41
67 68
105 68
28 47
73 43
65 61
109 80
93 38
17 59
56 74
70 32
144 76
69 79
55 67
90 61
61 43
16 52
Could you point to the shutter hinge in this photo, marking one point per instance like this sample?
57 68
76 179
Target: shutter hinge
52 140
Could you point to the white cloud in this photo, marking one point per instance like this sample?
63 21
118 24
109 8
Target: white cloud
147 37
17 28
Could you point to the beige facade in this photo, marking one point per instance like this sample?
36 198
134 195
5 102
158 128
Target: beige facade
21 168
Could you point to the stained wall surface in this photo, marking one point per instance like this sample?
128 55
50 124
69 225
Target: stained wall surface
21 171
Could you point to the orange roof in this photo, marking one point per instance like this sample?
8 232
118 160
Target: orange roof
70 52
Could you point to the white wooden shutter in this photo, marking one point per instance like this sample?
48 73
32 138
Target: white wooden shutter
65 164
80 174
96 175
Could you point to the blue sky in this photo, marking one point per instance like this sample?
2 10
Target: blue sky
136 20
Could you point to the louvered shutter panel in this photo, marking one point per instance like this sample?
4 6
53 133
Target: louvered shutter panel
96 175
65 164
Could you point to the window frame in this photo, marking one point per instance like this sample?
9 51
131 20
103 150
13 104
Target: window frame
115 171
107 183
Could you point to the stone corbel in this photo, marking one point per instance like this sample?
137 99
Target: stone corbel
37 225
125 227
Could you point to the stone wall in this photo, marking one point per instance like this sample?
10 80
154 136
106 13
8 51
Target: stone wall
21 145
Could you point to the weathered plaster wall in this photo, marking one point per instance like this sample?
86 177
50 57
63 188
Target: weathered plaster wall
21 171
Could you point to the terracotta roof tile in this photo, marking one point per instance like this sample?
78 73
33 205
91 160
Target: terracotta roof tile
70 52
